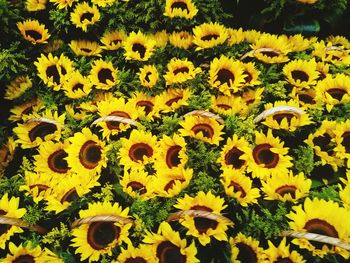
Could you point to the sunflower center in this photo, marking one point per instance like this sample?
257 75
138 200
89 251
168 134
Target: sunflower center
238 188
321 75
24 259
114 125
181 70
90 154
104 75
210 37
3 228
323 142
87 50
171 184
33 34
41 130
224 106
249 76
283 260
225 76
202 208
70 196
270 54
203 224
299 75
139 150
346 141
172 156
321 227
88 16
286 189
101 234
135 260
263 155
336 93
246 253
280 116
41 187
141 49
27 110
173 100
148 106
180 5
306 98
232 158
57 163
137 187
147 76
77 86
52 72
204 128
167 252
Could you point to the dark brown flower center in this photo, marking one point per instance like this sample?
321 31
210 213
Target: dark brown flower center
225 76
77 86
232 158
202 208
135 260
246 253
283 260
181 70
116 41
203 224
263 155
323 142
104 75
210 37
148 106
115 125
321 227
270 54
167 252
28 110
173 100
141 49
57 163
224 106
139 150
101 234
33 34
299 75
180 5
280 116
238 188
41 130
336 93
70 196
248 78
286 189
306 98
41 187
3 228
171 184
172 156
346 141
52 72
147 76
87 50
88 16
204 128
137 187
90 154
24 259
322 75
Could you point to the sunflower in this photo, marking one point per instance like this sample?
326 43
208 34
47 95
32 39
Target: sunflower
116 107
103 3
245 249
142 254
282 253
37 185
333 90
322 142
179 71
86 153
208 35
9 208
76 112
7 152
113 40
309 2
139 150
22 111
202 128
91 105
103 75
35 5
286 120
168 246
227 105
328 53
148 76
306 98
171 153
344 193
30 253
286 187
301 73
251 35
180 8
61 4
17 87
330 220
161 38
77 86
235 36
251 98
146 103
182 39
299 43
342 140
251 74
271 49
339 41
32 133
269 157
138 46
239 186
51 159
84 15
323 70
172 99
226 75
170 183
138 184
233 152
85 48
33 31
200 227
99 238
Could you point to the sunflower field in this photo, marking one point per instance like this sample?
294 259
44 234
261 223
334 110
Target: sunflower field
165 131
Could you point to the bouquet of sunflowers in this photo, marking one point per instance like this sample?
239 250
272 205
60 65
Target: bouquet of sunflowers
149 131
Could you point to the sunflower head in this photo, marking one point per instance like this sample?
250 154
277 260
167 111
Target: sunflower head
172 99
282 253
113 40
17 87
138 184
33 31
301 73
180 8
103 75
148 76
139 46
179 71
35 5
182 39
84 15
208 35
85 48
245 249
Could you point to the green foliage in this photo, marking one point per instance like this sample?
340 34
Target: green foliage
34 214
243 128
200 102
12 62
205 182
339 69
303 159
330 192
11 185
201 156
60 19
277 91
340 112
169 125
57 236
106 194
